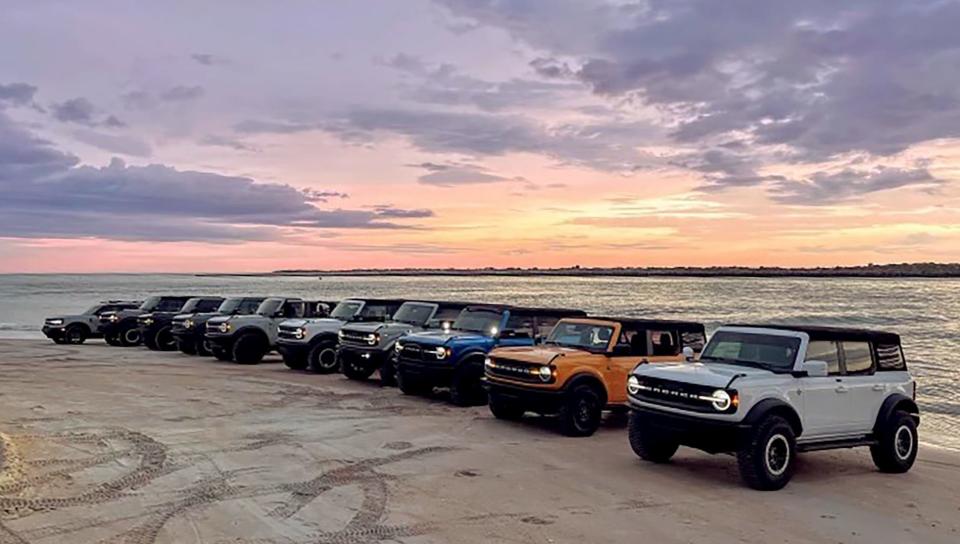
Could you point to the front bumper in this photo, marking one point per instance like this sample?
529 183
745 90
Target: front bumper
368 358
435 373
539 400
293 350
54 332
689 429
223 342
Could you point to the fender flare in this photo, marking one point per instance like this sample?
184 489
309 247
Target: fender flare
891 404
80 324
249 330
586 378
472 353
323 337
771 406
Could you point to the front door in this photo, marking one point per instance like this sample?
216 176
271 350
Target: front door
824 398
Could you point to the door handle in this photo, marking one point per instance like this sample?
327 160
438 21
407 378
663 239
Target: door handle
842 389
878 387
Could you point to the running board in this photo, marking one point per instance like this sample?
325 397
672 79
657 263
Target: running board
837 444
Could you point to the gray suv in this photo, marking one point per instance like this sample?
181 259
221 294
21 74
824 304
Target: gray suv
75 329
367 347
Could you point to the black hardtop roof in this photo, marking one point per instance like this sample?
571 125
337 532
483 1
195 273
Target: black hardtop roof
378 300
563 312
442 302
683 326
819 332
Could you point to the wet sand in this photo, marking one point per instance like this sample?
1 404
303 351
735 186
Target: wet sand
117 445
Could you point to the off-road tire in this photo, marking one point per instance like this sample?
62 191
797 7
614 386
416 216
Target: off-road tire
75 334
767 457
163 340
505 409
411 386
388 373
221 354
897 441
130 336
249 349
581 411
648 443
353 370
466 390
296 361
187 347
322 357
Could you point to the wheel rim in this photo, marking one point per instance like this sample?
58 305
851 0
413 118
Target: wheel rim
131 336
903 443
166 341
777 454
584 411
74 336
327 358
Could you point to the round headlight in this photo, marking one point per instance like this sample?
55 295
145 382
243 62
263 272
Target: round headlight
224 327
398 347
373 339
340 335
545 373
721 400
299 333
441 352
188 324
488 362
633 385
114 317
148 321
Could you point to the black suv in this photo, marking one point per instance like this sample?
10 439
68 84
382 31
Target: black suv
120 328
156 327
189 329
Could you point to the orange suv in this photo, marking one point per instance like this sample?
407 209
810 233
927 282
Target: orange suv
582 367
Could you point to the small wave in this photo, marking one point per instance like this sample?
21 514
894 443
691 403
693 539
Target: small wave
18 327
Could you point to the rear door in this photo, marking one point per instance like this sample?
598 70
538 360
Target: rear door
866 392
824 398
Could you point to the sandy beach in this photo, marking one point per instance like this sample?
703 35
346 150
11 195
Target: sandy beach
117 445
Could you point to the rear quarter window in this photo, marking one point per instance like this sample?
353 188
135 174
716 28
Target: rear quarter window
825 350
890 358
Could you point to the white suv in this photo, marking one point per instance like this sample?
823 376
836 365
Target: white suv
766 392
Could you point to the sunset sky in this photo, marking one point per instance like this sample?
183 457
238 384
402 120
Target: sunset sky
256 135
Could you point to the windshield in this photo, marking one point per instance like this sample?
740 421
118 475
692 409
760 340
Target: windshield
150 303
270 306
776 353
414 314
239 306
482 321
346 310
581 336
191 305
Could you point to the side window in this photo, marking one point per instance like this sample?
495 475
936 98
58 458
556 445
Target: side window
693 340
293 309
825 350
890 358
170 305
520 325
858 357
249 306
663 343
208 305
545 325
637 340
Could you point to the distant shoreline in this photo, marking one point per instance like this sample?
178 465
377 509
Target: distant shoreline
905 270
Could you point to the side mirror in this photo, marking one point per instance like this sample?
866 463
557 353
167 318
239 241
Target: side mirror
815 369
688 354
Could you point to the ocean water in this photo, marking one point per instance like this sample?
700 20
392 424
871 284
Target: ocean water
925 312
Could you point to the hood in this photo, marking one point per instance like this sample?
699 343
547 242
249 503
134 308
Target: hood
64 318
711 375
537 355
441 338
372 327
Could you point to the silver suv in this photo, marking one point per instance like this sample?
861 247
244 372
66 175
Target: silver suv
76 329
767 392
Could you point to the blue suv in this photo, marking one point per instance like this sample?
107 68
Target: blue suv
454 357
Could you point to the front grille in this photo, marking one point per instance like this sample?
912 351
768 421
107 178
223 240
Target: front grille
415 353
514 370
675 394
354 338
213 327
288 332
